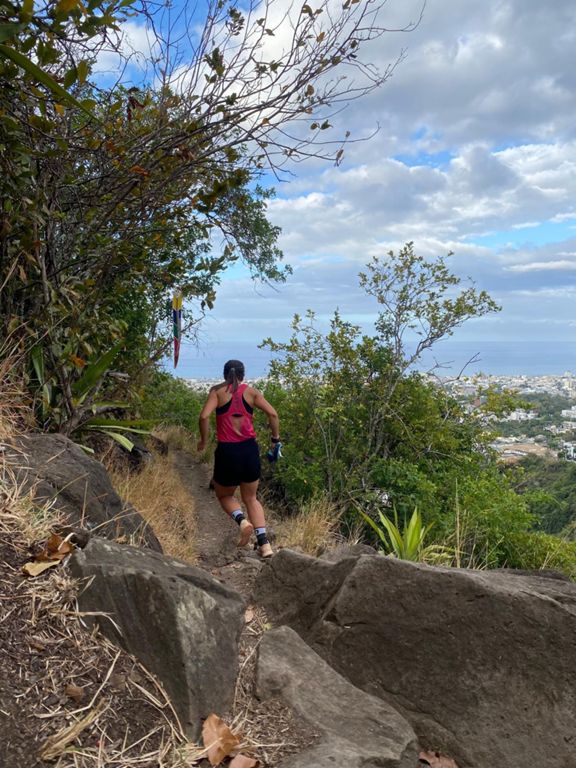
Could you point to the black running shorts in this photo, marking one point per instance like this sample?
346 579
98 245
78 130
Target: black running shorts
236 463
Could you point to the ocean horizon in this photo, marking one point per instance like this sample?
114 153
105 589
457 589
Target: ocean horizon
497 358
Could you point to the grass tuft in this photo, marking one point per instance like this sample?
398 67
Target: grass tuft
16 413
175 438
20 513
314 529
159 496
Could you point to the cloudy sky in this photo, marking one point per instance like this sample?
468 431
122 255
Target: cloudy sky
475 154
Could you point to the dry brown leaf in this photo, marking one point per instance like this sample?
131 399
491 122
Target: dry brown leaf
248 614
140 170
218 739
36 568
52 546
56 548
241 761
74 691
436 760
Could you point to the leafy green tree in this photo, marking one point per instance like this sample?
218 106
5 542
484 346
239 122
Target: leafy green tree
354 393
110 198
362 425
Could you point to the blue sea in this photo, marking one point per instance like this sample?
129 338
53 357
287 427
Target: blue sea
502 358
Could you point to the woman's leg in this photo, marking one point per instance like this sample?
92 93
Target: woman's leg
256 514
225 495
231 505
254 509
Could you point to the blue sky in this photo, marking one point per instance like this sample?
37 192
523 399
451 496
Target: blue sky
475 153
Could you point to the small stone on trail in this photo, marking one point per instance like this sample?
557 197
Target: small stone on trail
74 691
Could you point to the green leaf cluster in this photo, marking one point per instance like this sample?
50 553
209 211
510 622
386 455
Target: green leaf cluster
166 400
362 425
109 200
406 544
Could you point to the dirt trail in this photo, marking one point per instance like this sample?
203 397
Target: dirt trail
273 729
216 533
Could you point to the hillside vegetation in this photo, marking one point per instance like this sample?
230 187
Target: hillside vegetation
366 438
112 198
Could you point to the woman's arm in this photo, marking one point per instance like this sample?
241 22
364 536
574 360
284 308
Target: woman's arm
203 422
263 404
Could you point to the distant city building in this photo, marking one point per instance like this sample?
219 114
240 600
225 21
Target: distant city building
569 450
521 415
468 389
569 416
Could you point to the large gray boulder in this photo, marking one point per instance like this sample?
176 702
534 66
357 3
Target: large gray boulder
182 624
55 469
357 730
483 665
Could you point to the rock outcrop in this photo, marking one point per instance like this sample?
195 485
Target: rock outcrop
57 470
182 624
483 665
357 730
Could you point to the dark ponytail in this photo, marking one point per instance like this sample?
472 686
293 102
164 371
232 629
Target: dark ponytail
234 373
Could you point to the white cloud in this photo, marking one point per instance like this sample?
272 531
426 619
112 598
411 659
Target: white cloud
476 153
549 293
373 205
132 52
541 266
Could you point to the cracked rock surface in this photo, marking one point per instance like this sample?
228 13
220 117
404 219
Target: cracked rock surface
181 623
357 730
482 664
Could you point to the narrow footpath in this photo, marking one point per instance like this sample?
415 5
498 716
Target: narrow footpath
216 533
272 729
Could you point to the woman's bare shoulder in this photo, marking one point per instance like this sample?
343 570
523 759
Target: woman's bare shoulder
250 393
218 389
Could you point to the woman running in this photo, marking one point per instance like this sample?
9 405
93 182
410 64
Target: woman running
237 459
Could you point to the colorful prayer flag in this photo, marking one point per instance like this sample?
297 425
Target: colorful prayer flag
177 323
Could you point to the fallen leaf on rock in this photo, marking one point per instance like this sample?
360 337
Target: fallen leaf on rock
436 760
219 740
241 761
248 614
50 553
36 568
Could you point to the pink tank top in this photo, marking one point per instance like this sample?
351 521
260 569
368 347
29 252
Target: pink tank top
234 420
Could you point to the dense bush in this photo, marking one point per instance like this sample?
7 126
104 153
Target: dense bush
169 401
550 488
360 425
540 550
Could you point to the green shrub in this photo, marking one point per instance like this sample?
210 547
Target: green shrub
535 551
169 401
405 543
